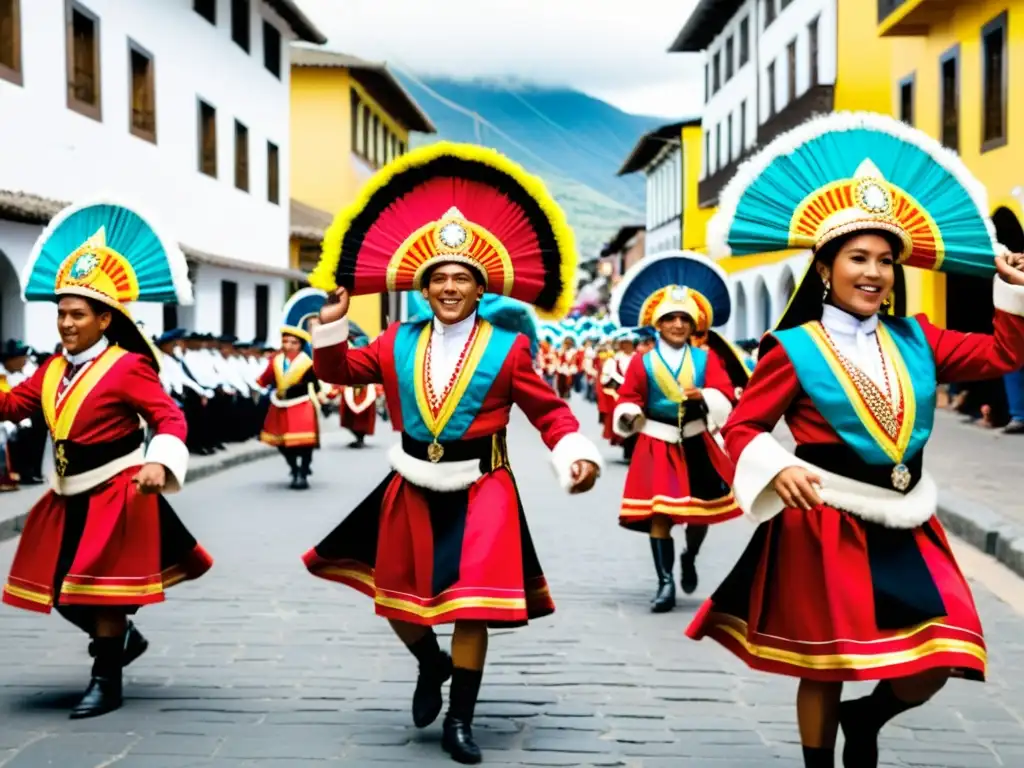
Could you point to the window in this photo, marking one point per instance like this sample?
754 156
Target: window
241 157
707 153
402 148
272 49
366 132
771 89
143 93
907 100
207 9
354 119
993 43
240 23
769 12
729 60
376 141
707 82
394 146
83 61
228 307
273 174
743 127
170 317
207 139
744 41
10 41
716 81
812 50
791 73
949 68
262 312
728 141
718 146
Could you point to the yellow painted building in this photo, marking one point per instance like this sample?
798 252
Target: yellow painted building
951 77
349 117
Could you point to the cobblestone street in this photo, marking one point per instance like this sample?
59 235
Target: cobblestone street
259 664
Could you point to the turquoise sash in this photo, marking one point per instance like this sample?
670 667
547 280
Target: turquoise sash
834 394
664 392
493 357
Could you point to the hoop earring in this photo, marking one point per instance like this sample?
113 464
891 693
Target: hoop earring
828 287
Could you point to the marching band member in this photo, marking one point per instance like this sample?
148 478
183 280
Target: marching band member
849 575
103 541
443 539
672 396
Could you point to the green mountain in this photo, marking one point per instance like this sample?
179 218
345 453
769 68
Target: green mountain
576 143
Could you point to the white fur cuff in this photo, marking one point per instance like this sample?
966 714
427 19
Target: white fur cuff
1008 298
570 449
447 477
719 407
330 334
172 453
622 416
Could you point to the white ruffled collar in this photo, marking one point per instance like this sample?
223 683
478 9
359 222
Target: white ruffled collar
88 355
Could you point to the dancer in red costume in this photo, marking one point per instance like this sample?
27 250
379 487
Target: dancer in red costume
103 541
358 405
849 575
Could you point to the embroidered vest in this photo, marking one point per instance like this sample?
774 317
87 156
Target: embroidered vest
665 386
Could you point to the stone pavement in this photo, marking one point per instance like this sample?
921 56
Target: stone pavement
259 664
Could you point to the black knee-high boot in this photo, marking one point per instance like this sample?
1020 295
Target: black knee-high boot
663 551
457 739
435 669
104 692
305 458
695 535
293 462
862 719
819 757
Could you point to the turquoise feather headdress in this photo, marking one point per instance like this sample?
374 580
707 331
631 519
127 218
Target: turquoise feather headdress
856 171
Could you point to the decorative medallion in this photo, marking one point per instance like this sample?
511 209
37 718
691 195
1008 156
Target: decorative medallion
435 451
84 266
453 235
873 197
678 293
901 478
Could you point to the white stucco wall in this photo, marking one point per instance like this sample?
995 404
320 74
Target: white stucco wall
760 295
206 315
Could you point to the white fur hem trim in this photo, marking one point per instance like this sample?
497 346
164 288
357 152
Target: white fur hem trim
625 411
764 458
172 453
570 449
669 434
86 481
330 334
450 476
1009 298
370 397
719 407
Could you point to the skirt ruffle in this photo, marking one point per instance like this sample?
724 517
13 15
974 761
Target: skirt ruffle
297 426
810 598
687 483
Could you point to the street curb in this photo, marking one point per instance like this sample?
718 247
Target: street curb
11 527
983 529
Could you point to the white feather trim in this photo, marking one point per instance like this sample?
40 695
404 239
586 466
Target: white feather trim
622 414
764 458
643 264
1008 298
787 143
570 449
172 453
719 408
450 476
175 257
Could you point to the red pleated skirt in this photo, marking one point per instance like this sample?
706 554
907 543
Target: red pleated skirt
688 483
430 558
363 423
810 599
297 426
122 548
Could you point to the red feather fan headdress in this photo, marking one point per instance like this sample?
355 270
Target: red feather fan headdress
453 202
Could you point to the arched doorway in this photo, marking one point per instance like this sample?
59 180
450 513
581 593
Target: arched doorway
740 314
12 311
762 307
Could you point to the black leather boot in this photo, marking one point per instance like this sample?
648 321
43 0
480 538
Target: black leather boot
134 645
457 739
695 535
664 554
435 669
861 720
819 757
302 478
104 692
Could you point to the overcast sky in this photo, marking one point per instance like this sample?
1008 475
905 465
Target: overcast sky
612 49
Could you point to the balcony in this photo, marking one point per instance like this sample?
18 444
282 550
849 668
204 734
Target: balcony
912 18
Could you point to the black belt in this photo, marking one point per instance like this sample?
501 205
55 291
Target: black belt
491 451
70 458
841 459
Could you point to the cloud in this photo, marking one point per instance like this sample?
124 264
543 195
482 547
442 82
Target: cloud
612 49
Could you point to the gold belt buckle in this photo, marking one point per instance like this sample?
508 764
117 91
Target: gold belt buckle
60 460
435 451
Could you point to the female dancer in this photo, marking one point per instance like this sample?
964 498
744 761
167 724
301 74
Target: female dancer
849 575
671 393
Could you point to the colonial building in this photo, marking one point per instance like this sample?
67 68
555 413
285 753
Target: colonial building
659 155
349 117
769 66
180 108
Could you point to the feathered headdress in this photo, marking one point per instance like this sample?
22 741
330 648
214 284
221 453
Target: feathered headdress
674 281
304 306
109 253
453 203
